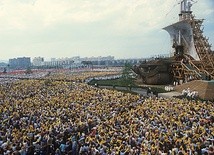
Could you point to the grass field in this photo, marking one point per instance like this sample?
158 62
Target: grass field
120 83
112 82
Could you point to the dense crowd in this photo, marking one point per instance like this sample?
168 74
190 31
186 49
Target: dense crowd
189 94
7 80
81 76
61 117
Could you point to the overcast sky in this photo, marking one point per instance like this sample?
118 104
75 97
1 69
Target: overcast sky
67 28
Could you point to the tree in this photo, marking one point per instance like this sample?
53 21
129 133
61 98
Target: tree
28 71
127 80
5 70
87 63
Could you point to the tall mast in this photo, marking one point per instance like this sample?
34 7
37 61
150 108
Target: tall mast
185 12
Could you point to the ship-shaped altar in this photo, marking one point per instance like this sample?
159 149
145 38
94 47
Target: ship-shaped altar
191 54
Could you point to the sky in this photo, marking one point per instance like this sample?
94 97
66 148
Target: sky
85 28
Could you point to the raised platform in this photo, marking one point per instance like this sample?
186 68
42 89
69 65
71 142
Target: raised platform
205 89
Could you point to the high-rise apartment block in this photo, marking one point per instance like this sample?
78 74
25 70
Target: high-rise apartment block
38 61
20 63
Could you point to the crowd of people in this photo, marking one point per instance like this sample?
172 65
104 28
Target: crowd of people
83 76
189 94
59 117
7 80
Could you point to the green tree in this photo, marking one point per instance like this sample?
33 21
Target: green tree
5 70
28 71
88 64
127 80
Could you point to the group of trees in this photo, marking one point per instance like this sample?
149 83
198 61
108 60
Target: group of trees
127 78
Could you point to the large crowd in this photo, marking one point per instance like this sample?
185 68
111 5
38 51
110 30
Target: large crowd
59 117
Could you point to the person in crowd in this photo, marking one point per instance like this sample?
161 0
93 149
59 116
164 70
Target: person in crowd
74 118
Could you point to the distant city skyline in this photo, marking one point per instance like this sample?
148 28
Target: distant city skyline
62 28
90 58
